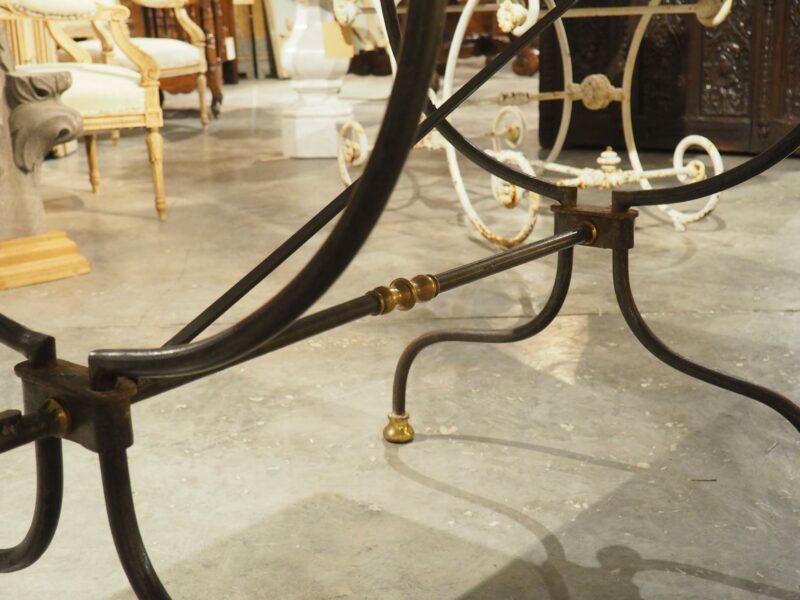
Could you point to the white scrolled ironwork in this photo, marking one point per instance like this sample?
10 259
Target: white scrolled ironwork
595 92
516 18
513 134
510 129
682 218
679 219
452 156
353 149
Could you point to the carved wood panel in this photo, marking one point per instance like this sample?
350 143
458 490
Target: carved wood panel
727 65
738 84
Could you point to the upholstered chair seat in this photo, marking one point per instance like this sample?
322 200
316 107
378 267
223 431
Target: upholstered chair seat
98 89
170 54
181 64
109 97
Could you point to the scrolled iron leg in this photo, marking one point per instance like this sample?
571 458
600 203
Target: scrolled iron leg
124 528
49 493
637 324
399 430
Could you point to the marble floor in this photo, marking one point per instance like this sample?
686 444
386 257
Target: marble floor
570 466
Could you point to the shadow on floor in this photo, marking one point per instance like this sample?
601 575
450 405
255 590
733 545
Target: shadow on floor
558 578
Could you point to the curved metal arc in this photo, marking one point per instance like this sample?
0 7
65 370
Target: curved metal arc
125 529
370 196
456 139
563 195
679 219
622 287
299 238
497 63
569 76
452 155
789 143
47 511
627 87
371 304
300 329
455 47
489 336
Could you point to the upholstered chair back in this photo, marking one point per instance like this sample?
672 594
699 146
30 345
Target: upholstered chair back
30 42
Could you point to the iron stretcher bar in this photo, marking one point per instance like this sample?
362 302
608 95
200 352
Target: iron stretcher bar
562 195
494 65
371 304
395 140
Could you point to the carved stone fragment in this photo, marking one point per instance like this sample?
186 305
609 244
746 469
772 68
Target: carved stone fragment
32 121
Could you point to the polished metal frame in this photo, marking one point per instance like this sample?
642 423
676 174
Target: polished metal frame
91 405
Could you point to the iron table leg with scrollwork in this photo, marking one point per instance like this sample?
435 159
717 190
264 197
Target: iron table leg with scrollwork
91 405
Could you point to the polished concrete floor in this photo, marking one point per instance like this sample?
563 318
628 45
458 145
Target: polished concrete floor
570 466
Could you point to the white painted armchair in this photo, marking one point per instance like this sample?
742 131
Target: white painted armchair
177 60
108 97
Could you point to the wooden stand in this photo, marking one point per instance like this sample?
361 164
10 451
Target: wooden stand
39 258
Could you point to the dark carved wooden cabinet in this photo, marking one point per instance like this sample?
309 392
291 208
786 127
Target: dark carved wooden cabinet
737 84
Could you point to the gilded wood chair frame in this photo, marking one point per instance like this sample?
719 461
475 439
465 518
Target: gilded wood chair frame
114 20
197 38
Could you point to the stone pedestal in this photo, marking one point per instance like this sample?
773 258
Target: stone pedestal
313 58
32 122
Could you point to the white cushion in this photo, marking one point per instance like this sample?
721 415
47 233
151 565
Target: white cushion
57 8
98 89
168 53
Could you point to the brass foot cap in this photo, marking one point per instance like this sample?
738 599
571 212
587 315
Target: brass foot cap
399 430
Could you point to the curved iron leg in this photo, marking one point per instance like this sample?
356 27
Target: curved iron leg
49 493
398 430
622 287
125 529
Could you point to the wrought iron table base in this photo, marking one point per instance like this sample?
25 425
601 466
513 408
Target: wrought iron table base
91 405
400 431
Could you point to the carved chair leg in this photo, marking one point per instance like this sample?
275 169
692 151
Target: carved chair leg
94 169
399 430
622 287
202 91
49 493
155 148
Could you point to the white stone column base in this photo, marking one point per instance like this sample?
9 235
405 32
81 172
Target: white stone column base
311 128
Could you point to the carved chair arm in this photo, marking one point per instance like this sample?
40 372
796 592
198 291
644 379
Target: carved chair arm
67 44
103 35
196 34
115 18
108 12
